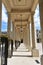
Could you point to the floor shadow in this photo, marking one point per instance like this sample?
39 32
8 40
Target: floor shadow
37 62
22 56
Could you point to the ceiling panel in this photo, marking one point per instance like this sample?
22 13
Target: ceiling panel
21 4
19 16
19 23
11 3
23 17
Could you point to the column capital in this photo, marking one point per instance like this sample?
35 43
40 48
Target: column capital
9 17
28 21
28 24
9 12
32 18
33 12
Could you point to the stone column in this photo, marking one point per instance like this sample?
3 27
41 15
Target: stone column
33 31
41 19
41 23
28 35
14 36
0 14
35 51
9 25
9 35
13 31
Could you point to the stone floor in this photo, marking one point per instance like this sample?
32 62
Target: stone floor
22 61
22 58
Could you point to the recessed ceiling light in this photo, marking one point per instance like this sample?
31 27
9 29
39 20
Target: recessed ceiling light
19 0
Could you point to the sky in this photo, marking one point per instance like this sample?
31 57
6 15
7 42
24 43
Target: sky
5 18
37 18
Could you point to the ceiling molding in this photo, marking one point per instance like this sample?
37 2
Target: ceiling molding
18 2
5 2
34 5
22 25
16 20
20 10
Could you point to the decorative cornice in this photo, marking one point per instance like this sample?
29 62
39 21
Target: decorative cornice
20 10
16 20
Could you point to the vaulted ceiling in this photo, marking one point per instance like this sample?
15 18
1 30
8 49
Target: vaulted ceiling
20 9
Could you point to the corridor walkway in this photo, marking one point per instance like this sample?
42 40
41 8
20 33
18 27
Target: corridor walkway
22 50
22 61
22 47
22 58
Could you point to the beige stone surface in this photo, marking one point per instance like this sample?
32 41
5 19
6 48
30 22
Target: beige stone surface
22 61
35 52
42 60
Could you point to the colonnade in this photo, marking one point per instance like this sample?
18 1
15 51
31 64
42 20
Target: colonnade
32 27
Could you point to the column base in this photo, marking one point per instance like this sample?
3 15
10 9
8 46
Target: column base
42 60
9 54
0 34
14 49
29 48
35 52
